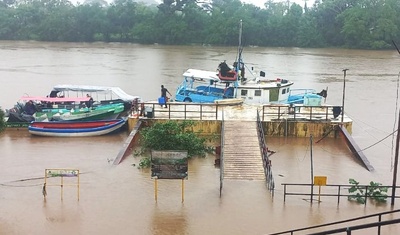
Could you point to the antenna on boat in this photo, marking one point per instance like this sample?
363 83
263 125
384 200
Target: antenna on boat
240 48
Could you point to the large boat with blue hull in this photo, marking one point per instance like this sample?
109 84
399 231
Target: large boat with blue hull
202 86
238 82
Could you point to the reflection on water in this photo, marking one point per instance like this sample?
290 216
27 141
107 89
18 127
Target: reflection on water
120 199
169 222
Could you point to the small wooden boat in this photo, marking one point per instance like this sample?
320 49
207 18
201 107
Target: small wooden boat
75 129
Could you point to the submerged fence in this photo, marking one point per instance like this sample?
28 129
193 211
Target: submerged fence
336 190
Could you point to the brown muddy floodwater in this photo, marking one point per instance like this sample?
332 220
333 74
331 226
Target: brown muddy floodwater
120 199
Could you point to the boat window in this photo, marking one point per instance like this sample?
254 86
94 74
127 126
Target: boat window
283 91
257 93
243 92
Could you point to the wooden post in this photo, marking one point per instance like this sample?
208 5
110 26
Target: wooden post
62 187
183 190
312 171
344 92
78 184
155 189
319 194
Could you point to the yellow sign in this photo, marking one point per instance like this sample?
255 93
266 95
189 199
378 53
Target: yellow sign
320 180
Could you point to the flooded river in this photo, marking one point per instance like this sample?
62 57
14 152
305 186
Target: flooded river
120 199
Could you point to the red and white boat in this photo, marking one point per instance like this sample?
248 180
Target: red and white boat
75 129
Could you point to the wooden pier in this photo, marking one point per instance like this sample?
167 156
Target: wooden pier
241 151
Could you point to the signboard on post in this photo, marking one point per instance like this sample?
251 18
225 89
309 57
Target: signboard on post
320 180
61 173
169 164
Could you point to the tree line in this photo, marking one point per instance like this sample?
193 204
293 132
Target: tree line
365 24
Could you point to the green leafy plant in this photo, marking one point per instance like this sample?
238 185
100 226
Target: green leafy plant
357 191
374 191
145 162
171 135
377 192
2 121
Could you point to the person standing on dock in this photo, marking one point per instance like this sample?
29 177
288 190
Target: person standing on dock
164 92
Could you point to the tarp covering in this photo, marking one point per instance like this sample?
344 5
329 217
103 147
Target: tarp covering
93 89
55 99
201 74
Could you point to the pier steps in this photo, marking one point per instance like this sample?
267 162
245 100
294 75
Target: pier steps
241 151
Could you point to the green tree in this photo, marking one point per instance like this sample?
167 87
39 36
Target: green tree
122 19
308 34
56 24
145 30
90 22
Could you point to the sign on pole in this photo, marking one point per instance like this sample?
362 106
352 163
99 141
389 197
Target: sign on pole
169 164
320 181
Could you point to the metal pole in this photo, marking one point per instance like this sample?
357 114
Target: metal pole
396 161
312 171
344 92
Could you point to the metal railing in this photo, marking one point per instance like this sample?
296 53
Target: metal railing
192 111
221 157
336 193
265 153
348 229
299 112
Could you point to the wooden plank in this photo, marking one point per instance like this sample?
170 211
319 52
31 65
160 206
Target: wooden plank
129 142
242 155
354 148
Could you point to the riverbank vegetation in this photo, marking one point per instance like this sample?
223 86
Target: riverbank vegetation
366 24
2 121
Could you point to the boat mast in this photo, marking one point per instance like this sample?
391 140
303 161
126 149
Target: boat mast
239 64
240 49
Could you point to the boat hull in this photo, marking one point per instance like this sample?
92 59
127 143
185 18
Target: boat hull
73 125
78 129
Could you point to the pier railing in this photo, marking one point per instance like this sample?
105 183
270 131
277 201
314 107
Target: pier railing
265 153
299 112
209 111
193 111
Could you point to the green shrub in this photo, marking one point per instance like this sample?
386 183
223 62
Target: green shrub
171 135
359 193
2 120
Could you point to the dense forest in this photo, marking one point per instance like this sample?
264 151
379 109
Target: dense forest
367 24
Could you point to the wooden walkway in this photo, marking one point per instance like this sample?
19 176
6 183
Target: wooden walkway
241 151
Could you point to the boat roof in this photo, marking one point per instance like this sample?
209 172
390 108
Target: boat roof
55 99
87 88
201 74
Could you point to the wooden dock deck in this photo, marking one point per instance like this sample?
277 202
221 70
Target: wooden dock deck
241 151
